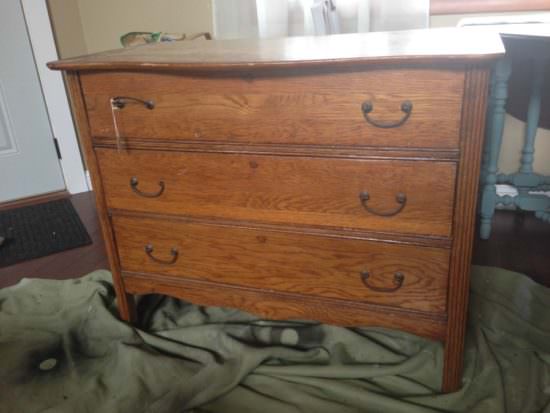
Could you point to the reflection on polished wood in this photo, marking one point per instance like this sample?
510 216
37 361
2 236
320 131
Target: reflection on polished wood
296 52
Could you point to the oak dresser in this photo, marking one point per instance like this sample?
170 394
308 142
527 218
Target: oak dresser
329 178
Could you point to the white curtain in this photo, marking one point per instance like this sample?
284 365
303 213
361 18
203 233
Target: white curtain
278 18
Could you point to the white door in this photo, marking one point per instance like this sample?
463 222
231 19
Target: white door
29 164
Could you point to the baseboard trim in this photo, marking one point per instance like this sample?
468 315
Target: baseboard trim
89 180
33 200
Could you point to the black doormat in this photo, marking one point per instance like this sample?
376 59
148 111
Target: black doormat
38 230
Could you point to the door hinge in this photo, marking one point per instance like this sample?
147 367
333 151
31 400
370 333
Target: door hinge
56 143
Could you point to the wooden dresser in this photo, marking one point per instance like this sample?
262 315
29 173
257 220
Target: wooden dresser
328 178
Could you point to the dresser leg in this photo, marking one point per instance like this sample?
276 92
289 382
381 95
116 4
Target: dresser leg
533 117
452 372
125 302
127 307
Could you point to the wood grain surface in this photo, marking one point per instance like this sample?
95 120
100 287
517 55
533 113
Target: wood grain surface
288 190
322 108
313 150
447 44
296 263
280 306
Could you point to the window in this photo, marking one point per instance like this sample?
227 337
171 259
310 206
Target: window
486 6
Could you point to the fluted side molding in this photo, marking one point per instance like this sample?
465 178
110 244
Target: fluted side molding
472 128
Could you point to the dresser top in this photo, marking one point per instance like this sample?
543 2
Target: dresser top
344 49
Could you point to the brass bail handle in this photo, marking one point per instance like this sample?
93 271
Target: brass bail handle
367 107
398 280
173 252
134 182
119 103
400 198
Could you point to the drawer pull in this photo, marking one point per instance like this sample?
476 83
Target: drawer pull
120 102
400 198
173 252
406 107
134 185
398 279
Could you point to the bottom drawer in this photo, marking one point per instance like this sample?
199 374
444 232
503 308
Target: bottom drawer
403 276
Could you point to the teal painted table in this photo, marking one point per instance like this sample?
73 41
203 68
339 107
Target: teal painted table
530 43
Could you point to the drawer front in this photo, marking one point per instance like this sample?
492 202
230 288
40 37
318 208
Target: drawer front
412 197
401 276
324 109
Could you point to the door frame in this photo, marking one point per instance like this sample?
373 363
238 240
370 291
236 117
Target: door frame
43 45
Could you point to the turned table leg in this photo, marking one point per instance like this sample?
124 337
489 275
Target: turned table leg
488 132
533 116
526 180
498 97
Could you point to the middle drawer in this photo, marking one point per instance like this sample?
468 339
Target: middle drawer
414 197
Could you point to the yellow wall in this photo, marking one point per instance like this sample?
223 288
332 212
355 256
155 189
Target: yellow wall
513 128
104 21
67 25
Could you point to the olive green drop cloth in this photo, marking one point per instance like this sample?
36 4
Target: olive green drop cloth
62 349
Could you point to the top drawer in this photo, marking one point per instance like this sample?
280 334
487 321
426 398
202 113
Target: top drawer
368 108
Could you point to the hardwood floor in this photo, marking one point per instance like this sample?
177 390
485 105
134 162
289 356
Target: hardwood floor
519 243
67 264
